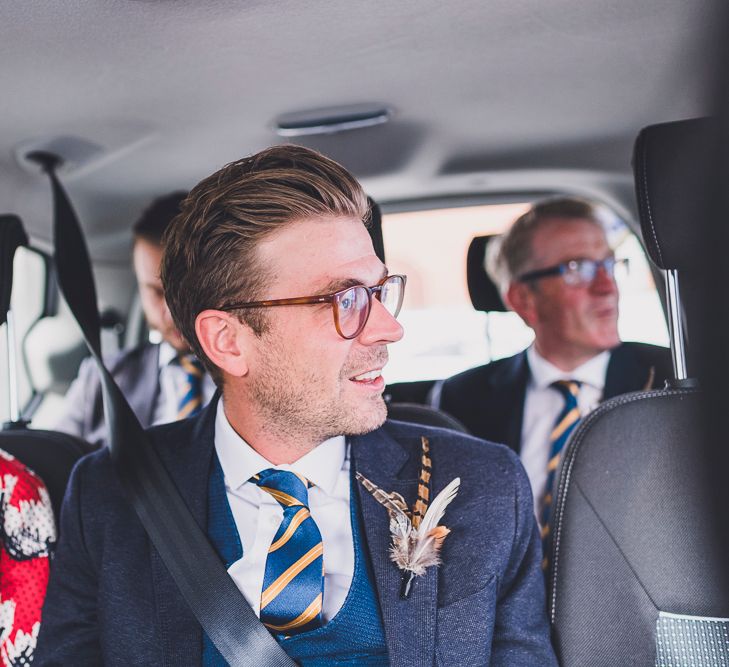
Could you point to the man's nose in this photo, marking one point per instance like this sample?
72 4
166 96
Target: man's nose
604 282
381 326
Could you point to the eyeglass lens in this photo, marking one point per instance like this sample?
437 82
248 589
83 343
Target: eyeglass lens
351 311
352 306
580 272
391 295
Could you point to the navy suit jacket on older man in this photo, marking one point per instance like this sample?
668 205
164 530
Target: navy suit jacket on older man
112 601
489 400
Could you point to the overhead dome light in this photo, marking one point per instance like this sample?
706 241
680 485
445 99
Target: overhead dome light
331 120
75 153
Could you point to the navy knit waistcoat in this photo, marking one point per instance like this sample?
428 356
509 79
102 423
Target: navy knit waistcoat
354 636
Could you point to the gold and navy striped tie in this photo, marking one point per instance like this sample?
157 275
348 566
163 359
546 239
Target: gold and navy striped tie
191 402
563 427
293 581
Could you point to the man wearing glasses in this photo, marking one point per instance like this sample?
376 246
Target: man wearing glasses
270 273
556 270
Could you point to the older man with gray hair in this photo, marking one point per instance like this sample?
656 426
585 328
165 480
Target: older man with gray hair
556 270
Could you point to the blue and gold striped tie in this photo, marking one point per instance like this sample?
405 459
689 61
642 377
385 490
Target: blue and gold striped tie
563 427
191 402
293 582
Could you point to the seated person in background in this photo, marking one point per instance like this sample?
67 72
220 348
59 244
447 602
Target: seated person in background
162 382
555 269
27 535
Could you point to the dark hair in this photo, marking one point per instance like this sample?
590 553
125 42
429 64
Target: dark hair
210 258
513 253
155 219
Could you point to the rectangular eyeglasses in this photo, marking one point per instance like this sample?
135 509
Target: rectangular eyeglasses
577 272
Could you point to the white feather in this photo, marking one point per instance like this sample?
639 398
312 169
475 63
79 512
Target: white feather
431 519
438 507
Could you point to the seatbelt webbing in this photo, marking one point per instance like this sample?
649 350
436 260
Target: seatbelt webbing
211 594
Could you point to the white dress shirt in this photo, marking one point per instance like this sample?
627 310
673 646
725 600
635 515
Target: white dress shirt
172 386
543 404
258 516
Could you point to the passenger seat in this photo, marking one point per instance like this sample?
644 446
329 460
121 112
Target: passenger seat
485 295
639 557
50 454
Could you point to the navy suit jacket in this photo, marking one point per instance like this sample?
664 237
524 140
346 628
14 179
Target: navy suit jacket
489 399
111 600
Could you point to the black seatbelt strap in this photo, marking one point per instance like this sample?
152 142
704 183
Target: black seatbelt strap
211 594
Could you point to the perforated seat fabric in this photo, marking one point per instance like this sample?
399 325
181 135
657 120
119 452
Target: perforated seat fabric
690 641
632 534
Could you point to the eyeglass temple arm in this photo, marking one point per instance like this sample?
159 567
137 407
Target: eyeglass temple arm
293 301
305 300
541 273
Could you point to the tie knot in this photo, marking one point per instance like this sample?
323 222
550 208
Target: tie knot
191 365
288 488
568 388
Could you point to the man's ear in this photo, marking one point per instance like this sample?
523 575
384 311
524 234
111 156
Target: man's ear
223 338
520 298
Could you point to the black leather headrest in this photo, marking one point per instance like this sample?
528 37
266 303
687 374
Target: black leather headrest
484 293
12 236
672 164
415 413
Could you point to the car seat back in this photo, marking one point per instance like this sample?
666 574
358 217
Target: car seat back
638 567
51 455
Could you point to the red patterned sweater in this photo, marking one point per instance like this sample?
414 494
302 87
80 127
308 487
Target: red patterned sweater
27 536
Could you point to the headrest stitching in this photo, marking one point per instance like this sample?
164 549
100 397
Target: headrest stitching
648 204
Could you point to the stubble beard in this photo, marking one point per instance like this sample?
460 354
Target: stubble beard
303 408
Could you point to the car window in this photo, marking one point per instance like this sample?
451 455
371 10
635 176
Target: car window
26 305
443 333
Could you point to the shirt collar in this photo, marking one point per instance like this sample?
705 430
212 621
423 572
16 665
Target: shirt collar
167 354
240 461
543 373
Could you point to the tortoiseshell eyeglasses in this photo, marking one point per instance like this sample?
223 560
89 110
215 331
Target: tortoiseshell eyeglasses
351 306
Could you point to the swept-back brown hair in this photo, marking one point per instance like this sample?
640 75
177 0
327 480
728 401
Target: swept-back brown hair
210 258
